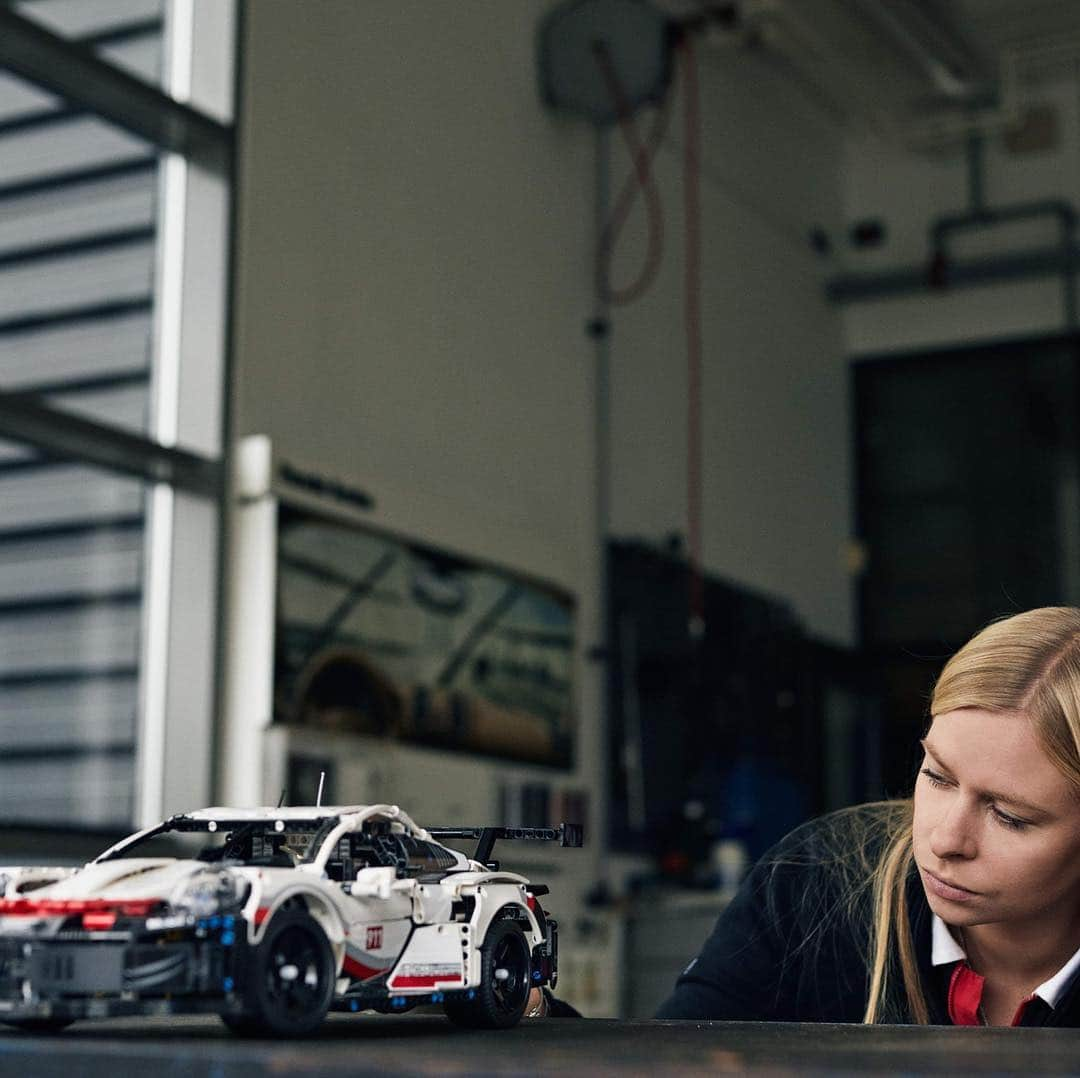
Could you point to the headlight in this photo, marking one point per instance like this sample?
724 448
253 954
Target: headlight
209 892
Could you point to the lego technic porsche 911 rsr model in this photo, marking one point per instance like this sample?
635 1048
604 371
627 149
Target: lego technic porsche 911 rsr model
276 916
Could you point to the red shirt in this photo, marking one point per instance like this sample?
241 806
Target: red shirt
966 986
965 998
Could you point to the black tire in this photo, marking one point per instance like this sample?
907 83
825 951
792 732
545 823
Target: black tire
40 1025
500 999
290 980
243 1025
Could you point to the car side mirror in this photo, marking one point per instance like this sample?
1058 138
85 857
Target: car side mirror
372 883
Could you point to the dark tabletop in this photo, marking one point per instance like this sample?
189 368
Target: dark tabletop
429 1045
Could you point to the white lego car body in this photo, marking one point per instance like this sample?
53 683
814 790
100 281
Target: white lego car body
285 914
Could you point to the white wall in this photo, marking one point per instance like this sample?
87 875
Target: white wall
415 247
909 190
775 428
412 275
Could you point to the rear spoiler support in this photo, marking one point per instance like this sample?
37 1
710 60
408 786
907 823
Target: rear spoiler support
566 834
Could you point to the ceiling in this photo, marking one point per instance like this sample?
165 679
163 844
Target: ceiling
916 68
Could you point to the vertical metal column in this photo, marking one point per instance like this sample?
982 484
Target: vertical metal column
600 331
624 638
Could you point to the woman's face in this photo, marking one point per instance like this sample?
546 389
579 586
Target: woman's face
997 825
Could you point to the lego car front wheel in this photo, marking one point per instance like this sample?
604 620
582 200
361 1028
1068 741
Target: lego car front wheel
505 969
289 984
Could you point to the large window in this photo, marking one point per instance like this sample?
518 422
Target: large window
114 194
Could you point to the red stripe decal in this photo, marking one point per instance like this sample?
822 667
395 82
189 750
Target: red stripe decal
427 981
358 971
65 907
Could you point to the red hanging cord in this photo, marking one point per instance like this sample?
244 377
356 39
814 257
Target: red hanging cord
641 179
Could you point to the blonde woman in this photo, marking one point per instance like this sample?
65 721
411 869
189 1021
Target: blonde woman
960 906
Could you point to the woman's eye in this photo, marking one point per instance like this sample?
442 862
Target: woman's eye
1013 822
934 779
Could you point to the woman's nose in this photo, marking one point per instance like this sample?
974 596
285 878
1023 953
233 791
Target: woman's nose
954 834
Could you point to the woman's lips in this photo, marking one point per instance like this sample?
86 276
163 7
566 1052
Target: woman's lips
946 890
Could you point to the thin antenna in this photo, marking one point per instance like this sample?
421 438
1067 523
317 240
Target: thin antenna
281 799
318 799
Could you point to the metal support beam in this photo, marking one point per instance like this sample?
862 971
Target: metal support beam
25 418
924 31
75 72
913 280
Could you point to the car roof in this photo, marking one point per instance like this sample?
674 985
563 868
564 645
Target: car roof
349 816
291 812
301 814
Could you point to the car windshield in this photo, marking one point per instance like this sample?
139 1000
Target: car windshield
281 843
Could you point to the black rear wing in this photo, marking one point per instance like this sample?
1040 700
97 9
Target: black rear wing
566 834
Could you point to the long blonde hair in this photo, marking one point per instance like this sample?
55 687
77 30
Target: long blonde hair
1026 663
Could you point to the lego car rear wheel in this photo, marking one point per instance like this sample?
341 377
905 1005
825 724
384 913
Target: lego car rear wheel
505 967
290 981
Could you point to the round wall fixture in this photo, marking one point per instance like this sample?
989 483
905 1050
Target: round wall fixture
635 39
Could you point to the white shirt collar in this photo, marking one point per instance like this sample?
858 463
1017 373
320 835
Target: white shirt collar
944 949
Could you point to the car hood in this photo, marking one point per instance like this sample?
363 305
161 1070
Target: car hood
126 878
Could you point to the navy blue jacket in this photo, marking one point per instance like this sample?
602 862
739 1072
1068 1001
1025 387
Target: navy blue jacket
792 944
